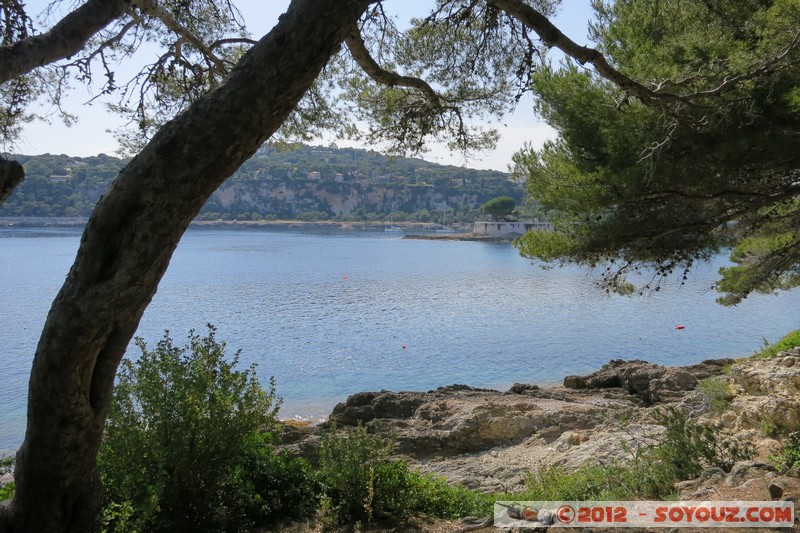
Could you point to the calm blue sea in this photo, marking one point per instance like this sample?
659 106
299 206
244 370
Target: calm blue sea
330 314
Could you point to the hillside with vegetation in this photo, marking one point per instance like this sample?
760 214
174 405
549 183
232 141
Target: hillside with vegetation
306 182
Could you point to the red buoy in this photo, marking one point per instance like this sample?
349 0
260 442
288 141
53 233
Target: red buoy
680 327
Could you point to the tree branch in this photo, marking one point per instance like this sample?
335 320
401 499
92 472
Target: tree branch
761 69
553 37
63 40
355 43
154 10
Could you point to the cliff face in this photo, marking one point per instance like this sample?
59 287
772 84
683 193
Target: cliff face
291 198
281 183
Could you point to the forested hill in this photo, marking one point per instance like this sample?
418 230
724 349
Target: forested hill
309 182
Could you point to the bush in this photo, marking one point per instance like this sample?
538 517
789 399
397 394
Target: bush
790 454
789 341
6 466
691 447
183 432
715 390
435 497
363 483
688 448
7 491
279 486
348 460
639 478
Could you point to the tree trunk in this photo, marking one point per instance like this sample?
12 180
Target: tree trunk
11 175
126 248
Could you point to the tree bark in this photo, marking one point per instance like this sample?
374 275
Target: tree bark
125 249
11 175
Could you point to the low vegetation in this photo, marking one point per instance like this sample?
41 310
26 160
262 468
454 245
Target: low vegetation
716 392
7 490
363 483
789 341
651 473
790 453
190 446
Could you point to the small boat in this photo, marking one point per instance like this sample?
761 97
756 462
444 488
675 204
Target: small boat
442 228
391 228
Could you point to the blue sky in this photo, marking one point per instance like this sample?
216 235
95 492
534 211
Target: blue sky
89 136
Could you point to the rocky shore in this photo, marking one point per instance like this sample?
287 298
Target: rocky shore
490 440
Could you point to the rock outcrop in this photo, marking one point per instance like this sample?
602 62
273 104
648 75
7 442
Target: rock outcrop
491 440
766 393
650 382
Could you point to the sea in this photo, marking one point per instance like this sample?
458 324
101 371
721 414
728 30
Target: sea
329 313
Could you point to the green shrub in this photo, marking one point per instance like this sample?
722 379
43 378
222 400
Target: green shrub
691 447
715 389
640 478
768 426
279 486
7 491
790 453
435 497
6 466
362 483
183 431
347 463
687 449
789 341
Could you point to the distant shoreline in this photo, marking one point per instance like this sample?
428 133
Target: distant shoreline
407 227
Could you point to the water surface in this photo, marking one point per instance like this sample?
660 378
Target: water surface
330 314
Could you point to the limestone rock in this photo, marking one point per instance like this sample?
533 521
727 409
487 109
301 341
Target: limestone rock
780 410
492 441
524 388
366 406
650 382
775 375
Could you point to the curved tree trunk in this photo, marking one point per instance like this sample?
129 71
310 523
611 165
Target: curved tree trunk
11 175
126 248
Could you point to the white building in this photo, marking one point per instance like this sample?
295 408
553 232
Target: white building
507 229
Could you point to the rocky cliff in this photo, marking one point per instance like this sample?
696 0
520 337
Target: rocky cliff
290 198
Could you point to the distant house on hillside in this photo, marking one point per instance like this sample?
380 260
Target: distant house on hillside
60 178
314 175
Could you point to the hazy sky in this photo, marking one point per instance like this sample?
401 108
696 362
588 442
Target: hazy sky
90 135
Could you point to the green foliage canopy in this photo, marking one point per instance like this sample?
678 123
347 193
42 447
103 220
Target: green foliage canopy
499 208
710 164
